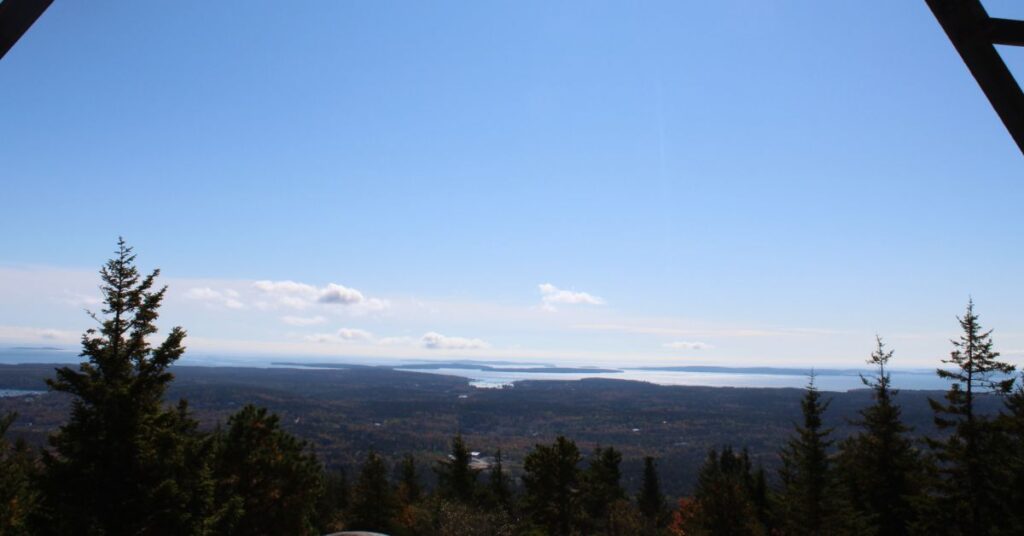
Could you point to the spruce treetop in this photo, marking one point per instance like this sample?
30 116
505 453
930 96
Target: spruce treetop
121 362
974 356
879 358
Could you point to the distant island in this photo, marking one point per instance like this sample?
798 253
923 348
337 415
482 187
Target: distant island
488 368
342 366
494 366
459 365
774 371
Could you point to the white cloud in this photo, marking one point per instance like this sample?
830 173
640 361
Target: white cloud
203 293
430 341
284 287
342 335
552 295
687 345
224 298
22 334
371 305
79 299
436 341
334 293
288 294
350 334
295 295
303 320
708 331
39 295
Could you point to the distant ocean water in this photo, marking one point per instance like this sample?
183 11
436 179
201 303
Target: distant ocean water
12 356
921 380
483 377
5 393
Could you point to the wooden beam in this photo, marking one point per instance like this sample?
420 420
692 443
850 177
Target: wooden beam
16 17
1006 32
973 33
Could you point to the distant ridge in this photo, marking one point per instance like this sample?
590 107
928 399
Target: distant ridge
488 368
459 365
775 371
322 365
481 362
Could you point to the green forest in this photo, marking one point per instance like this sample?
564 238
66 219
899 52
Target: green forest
126 461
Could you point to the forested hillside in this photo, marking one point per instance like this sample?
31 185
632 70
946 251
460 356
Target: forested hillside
346 413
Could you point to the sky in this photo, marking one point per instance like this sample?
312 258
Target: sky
725 183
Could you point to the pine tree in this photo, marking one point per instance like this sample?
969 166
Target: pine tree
624 519
881 469
970 494
409 489
373 503
455 478
452 518
729 496
805 467
124 463
601 485
499 485
18 495
1012 455
333 501
551 477
270 480
650 500
761 498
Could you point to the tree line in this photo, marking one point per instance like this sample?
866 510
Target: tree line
967 480
125 462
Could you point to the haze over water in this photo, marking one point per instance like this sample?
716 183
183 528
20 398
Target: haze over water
916 379
480 374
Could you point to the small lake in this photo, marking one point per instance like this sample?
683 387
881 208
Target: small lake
5 393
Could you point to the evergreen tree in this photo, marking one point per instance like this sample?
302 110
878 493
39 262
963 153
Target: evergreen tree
453 518
266 477
601 485
805 467
624 519
551 478
409 489
124 463
333 501
810 501
759 495
1012 455
729 496
969 491
373 503
650 500
499 484
881 469
456 480
18 495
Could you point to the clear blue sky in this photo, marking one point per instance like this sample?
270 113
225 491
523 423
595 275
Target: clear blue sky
712 182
